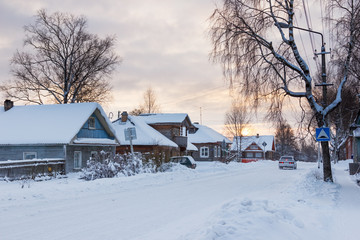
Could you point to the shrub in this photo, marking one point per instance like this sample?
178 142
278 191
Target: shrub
107 166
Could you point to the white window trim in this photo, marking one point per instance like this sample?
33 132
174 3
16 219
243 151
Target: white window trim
90 119
80 160
248 155
206 152
29 153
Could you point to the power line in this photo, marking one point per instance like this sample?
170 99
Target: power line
192 96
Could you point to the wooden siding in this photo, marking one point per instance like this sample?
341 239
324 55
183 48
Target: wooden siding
42 151
211 146
85 155
98 132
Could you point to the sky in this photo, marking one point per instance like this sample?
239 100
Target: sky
164 44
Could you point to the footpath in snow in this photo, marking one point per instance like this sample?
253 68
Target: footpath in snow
214 201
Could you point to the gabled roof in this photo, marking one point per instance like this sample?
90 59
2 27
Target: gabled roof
246 141
49 124
145 134
166 118
205 134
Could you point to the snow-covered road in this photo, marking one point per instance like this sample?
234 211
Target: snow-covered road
215 201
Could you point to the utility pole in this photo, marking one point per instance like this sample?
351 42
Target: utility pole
324 144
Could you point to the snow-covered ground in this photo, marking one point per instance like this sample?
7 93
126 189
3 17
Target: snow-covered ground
214 201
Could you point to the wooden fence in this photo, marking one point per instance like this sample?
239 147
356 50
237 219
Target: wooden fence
19 169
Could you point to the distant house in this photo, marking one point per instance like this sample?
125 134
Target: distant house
253 148
212 145
174 126
147 138
353 146
71 132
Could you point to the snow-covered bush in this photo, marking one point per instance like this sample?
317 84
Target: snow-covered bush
107 166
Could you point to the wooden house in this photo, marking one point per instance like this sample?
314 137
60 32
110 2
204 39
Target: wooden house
353 146
211 145
72 133
253 148
147 140
174 126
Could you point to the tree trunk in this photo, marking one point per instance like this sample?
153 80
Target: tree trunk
326 162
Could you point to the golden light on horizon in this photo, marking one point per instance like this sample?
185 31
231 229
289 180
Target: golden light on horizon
246 131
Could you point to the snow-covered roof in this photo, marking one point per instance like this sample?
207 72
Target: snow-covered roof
47 124
205 134
190 146
246 141
145 134
162 118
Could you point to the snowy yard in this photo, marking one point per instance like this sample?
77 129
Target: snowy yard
215 201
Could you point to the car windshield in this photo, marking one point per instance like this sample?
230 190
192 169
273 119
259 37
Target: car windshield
287 159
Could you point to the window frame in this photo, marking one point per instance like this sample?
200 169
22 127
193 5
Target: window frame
92 123
249 154
204 152
29 153
77 162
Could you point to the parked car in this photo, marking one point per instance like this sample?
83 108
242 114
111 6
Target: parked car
287 162
184 160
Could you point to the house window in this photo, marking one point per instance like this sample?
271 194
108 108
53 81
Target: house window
77 159
219 151
204 152
215 151
258 155
249 155
183 131
29 155
253 147
91 123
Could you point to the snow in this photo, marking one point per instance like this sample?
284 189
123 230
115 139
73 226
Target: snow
45 124
164 118
97 141
214 201
145 134
190 146
205 134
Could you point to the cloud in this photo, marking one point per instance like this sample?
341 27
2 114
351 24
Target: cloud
163 44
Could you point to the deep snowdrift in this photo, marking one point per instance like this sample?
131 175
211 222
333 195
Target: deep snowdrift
215 201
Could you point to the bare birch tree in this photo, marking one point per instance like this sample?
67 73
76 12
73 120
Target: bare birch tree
285 139
243 34
64 64
236 120
150 104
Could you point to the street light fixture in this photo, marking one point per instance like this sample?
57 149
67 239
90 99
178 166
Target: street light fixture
323 64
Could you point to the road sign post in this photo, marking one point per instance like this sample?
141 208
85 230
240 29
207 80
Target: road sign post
323 134
130 134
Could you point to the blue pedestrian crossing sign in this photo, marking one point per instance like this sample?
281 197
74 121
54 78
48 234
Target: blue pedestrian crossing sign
323 134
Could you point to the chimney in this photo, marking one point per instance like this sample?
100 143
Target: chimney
8 104
257 135
124 116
